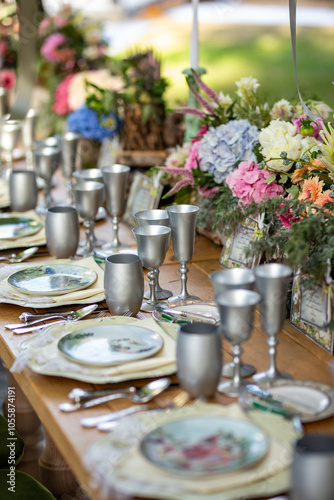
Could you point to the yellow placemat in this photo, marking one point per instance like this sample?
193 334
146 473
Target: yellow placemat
36 239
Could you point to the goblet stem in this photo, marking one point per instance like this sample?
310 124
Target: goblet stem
47 194
159 292
69 194
29 160
235 386
272 373
88 225
236 351
115 242
150 305
183 270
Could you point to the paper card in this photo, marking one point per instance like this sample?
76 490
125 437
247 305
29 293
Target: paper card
145 193
311 310
233 254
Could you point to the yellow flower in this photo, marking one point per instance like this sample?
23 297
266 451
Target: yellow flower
327 147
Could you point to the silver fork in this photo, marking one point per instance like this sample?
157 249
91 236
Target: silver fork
48 317
107 422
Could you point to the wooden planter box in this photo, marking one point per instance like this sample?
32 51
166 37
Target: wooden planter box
143 159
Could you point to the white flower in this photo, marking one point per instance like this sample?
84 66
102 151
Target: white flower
277 137
281 110
320 109
178 156
308 143
102 78
247 87
225 100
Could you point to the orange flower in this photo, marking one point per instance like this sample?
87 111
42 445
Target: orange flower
297 176
312 190
324 198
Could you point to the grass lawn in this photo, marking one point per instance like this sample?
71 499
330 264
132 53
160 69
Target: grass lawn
231 52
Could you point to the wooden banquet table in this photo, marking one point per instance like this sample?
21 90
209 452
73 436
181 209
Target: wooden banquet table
38 396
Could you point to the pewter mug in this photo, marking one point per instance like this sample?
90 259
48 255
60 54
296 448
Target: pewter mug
23 190
62 231
199 358
312 468
123 283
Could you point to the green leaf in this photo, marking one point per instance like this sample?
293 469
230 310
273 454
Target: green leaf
7 453
294 191
283 178
24 487
270 179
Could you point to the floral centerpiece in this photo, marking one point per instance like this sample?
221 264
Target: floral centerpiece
250 159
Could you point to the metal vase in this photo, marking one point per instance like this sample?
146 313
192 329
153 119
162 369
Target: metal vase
224 281
62 231
183 225
123 283
236 310
272 281
199 359
23 190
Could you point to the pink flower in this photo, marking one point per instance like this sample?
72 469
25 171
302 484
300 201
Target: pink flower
193 158
50 47
3 47
248 184
59 21
44 25
61 105
7 79
316 128
287 218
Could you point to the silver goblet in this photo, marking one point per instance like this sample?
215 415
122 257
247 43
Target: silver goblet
182 220
69 148
62 231
88 198
22 190
224 281
272 282
155 217
28 134
236 310
46 160
123 283
115 180
199 359
91 174
9 135
152 247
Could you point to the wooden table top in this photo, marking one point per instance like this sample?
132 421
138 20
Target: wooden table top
297 355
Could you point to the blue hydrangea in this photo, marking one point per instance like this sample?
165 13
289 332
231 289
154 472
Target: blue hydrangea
84 121
225 146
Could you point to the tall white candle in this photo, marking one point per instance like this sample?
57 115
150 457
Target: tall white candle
194 37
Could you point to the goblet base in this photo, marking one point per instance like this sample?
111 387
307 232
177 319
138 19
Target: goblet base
160 294
271 376
148 307
178 300
232 390
245 370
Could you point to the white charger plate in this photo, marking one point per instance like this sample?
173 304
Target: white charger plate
50 280
108 345
14 227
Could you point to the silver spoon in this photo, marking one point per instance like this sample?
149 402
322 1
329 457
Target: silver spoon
141 395
15 258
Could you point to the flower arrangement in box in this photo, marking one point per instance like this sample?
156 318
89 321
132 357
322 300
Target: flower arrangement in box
249 159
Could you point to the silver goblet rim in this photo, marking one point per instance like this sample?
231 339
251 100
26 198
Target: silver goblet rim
52 142
237 298
88 186
88 174
151 230
182 209
61 209
157 214
122 258
70 136
117 168
198 328
273 270
47 151
233 277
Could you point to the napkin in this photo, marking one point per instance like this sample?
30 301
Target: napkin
117 463
93 293
38 238
43 356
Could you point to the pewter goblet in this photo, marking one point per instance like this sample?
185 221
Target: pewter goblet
46 160
91 174
199 359
236 310
62 231
9 135
183 224
272 282
123 283
152 247
115 180
28 134
88 198
22 190
224 281
155 218
69 148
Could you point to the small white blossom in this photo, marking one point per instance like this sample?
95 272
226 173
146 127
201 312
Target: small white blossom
320 109
246 87
277 137
281 110
225 100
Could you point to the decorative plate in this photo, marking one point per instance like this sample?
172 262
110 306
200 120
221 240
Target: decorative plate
317 398
107 345
55 279
208 309
12 228
205 445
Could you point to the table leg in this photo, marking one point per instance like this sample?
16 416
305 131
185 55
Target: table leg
56 474
29 427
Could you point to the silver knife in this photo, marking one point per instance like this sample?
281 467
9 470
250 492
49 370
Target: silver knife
187 314
282 401
76 316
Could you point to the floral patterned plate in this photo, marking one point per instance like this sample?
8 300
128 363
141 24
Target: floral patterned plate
55 279
107 345
205 445
12 228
